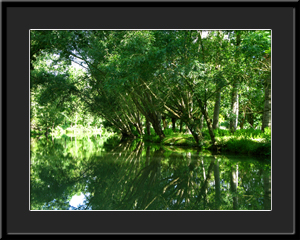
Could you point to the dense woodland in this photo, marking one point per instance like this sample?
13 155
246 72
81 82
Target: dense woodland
145 83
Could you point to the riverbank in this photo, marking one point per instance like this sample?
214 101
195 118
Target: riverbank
245 141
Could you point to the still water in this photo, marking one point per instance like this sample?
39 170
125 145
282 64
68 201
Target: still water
93 173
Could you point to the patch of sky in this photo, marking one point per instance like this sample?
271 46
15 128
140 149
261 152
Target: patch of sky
77 200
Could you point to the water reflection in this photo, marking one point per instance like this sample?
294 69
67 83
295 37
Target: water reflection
138 176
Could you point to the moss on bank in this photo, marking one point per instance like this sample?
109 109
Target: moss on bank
178 139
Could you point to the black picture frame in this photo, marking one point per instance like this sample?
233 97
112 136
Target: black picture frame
19 17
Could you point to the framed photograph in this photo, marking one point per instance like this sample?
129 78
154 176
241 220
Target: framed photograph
147 118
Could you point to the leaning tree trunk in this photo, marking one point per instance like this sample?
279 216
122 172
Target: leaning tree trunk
156 124
267 108
208 121
152 116
138 123
195 131
210 129
126 134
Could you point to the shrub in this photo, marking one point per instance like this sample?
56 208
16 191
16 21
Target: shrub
221 132
267 133
224 124
111 141
152 138
205 134
168 131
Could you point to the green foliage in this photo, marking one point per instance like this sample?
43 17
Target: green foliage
129 76
152 138
112 142
248 146
168 131
222 132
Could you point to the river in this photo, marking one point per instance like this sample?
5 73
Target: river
94 173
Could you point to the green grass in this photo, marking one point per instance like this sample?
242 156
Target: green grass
244 146
243 141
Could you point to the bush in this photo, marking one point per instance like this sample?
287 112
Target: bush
224 124
152 138
221 132
247 141
168 131
112 141
267 133
247 146
205 134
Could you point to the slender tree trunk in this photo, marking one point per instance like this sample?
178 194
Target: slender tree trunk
267 107
52 130
173 124
181 122
218 94
217 110
148 127
147 156
46 133
250 119
234 95
164 122
201 122
243 119
234 108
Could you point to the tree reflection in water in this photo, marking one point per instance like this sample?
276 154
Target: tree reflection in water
138 176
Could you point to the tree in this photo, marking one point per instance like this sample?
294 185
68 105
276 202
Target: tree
136 78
